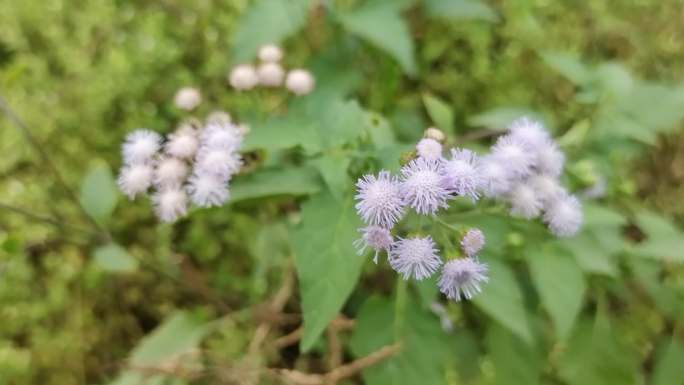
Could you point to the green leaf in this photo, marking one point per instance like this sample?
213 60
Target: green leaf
440 112
411 365
267 21
98 192
499 118
502 299
515 362
461 10
327 264
570 66
380 23
283 133
663 239
114 258
560 284
669 368
595 356
269 182
173 341
333 168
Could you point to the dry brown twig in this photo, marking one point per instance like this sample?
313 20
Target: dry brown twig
276 306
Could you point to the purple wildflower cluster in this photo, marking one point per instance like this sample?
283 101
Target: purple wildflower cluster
523 169
194 164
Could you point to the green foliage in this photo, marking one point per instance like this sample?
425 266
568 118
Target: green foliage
114 258
461 10
99 192
440 112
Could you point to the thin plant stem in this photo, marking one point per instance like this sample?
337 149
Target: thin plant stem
400 308
33 141
42 218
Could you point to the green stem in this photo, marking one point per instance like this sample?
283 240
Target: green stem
400 308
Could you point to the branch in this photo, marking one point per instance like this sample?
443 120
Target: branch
276 306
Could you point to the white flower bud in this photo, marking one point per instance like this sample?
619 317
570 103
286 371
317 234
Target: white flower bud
243 77
187 98
270 74
435 133
270 53
300 82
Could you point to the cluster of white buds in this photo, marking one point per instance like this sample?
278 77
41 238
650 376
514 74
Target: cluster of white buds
194 164
269 73
523 169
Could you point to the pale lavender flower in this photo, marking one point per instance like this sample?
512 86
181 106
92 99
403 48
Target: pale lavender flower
270 74
415 257
422 186
183 143
135 179
300 82
529 131
461 278
515 154
207 190
461 174
472 242
546 187
187 98
429 148
243 77
564 216
224 136
218 162
549 159
170 172
497 180
524 201
379 200
170 204
140 146
376 237
219 118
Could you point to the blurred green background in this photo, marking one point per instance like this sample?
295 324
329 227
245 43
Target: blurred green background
93 290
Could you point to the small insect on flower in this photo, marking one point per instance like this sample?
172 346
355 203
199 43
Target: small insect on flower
183 143
170 172
529 131
270 53
549 159
140 146
170 204
135 179
495 177
379 200
525 202
472 242
415 257
514 154
270 74
461 174
207 190
243 77
187 98
422 186
461 278
300 82
376 237
429 149
564 216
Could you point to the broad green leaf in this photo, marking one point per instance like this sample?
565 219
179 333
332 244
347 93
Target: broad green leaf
427 290
340 122
570 66
440 112
649 273
669 368
560 284
663 239
114 258
596 356
515 362
283 133
422 333
380 23
502 299
269 182
333 168
327 264
98 192
267 21
499 118
460 10
379 130
171 342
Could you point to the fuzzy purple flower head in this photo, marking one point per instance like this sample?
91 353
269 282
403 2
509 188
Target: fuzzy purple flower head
422 186
379 200
461 278
376 237
461 174
415 257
